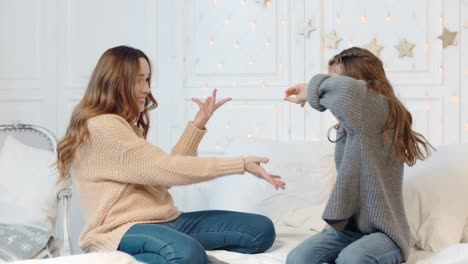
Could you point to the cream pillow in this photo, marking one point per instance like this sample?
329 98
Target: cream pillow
435 193
27 185
308 169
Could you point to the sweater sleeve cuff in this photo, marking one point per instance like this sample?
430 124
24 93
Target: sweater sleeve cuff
192 137
313 95
228 166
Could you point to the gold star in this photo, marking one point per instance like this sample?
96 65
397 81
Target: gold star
331 40
448 38
405 48
307 28
374 47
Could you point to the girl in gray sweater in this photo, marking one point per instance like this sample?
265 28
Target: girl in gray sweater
374 139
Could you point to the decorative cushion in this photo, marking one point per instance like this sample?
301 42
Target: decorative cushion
27 185
435 195
308 169
21 242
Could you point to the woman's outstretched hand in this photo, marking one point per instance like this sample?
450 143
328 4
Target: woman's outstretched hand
207 109
252 165
296 94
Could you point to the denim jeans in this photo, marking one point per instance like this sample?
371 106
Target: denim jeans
350 247
185 239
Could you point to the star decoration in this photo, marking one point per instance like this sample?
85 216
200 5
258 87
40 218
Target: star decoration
307 28
331 40
374 47
405 49
448 38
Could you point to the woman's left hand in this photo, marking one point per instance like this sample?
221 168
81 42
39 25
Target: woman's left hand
207 109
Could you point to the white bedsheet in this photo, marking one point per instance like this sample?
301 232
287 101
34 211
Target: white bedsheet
287 238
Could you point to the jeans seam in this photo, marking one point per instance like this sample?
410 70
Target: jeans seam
159 240
250 236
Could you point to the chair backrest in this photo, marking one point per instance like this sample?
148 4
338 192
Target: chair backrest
30 135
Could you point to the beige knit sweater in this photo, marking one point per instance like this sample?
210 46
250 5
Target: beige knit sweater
123 180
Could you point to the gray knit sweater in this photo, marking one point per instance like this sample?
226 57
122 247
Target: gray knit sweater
368 189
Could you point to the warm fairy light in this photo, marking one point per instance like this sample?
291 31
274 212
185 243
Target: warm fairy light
228 125
441 19
441 69
242 2
455 98
280 67
218 147
455 42
426 47
211 42
268 3
350 44
204 87
267 44
220 67
215 2
237 44
339 20
363 19
284 22
227 21
466 71
253 25
262 85
466 126
387 68
388 19
249 135
252 62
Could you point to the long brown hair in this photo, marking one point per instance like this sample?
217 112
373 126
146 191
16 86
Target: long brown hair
110 91
361 64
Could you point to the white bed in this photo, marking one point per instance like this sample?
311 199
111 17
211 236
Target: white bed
288 238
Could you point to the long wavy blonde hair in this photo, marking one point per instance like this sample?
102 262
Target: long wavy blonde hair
361 64
110 91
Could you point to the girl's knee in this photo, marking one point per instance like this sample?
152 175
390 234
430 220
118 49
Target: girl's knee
192 254
267 233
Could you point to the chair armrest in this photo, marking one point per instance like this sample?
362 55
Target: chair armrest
64 199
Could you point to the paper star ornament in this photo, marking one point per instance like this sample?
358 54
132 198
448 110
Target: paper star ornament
374 47
405 48
448 38
307 28
331 40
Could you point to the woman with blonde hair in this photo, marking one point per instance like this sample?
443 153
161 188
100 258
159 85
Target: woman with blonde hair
374 139
123 180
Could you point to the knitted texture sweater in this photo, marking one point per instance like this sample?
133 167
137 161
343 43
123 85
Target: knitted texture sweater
368 189
123 180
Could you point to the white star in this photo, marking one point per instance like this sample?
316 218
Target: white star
374 47
405 48
307 28
331 40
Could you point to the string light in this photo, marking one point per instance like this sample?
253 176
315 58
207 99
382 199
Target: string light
215 2
339 19
466 71
364 19
441 19
253 25
284 22
218 147
237 44
267 44
252 62
211 42
227 21
388 18
220 67
441 69
204 87
280 67
455 98
466 126
350 44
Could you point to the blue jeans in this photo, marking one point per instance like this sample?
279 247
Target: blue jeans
350 247
185 239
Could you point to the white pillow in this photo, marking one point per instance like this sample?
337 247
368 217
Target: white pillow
27 185
308 169
435 193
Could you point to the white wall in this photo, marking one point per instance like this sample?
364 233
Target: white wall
247 50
